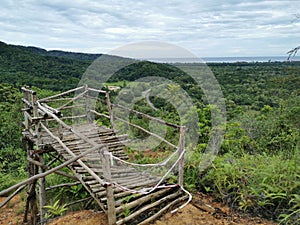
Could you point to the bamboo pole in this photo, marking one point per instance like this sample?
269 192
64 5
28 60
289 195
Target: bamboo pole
160 212
42 191
25 89
111 115
111 205
72 100
147 116
87 106
61 94
62 185
40 175
141 200
48 167
146 131
96 177
181 161
12 195
100 114
96 90
78 201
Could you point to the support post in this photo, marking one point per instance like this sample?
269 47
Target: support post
181 147
42 181
87 105
31 192
109 106
42 191
111 207
26 120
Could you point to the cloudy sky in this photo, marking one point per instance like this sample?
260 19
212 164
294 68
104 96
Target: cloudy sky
207 28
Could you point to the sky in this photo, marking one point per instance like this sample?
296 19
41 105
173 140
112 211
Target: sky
206 28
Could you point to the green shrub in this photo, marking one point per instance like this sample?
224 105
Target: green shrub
261 184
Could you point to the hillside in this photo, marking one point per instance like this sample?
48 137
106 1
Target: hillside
53 70
256 170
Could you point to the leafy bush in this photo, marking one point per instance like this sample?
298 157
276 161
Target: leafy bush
261 184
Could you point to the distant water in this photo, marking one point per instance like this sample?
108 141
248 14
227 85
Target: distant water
224 59
250 59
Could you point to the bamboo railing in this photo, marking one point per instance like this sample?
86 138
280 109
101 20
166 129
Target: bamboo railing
45 122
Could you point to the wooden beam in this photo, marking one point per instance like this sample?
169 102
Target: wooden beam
96 146
96 90
100 114
61 94
147 116
72 100
40 175
111 204
181 161
12 195
146 131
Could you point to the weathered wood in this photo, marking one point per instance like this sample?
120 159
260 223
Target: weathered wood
100 114
73 117
40 175
111 210
141 200
25 89
146 131
96 90
180 152
78 201
72 100
42 191
107 182
87 106
73 155
12 195
148 206
61 94
57 112
203 206
160 212
111 114
74 106
147 116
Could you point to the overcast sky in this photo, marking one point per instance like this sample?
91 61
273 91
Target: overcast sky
207 28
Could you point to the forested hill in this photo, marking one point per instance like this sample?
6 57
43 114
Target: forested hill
55 70
257 167
244 84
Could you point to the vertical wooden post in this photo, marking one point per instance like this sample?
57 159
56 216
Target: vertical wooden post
111 116
87 105
111 210
42 192
31 192
181 147
26 120
42 181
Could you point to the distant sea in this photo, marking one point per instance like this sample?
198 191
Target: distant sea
250 59
225 59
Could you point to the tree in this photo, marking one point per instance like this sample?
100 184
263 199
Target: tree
294 51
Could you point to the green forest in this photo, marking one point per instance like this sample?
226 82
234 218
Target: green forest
257 169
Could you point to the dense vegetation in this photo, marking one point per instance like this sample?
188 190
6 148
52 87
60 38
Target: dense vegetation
257 169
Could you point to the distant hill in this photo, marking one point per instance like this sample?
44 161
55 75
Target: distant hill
58 53
56 70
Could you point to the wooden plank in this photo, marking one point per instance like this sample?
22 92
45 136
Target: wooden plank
160 212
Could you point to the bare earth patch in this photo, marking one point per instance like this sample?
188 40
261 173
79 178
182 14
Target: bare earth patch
196 213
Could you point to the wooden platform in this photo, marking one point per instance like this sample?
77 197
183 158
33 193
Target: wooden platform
96 155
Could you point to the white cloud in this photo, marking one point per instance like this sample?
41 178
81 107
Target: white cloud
207 28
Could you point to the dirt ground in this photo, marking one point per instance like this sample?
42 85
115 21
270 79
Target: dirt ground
202 210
